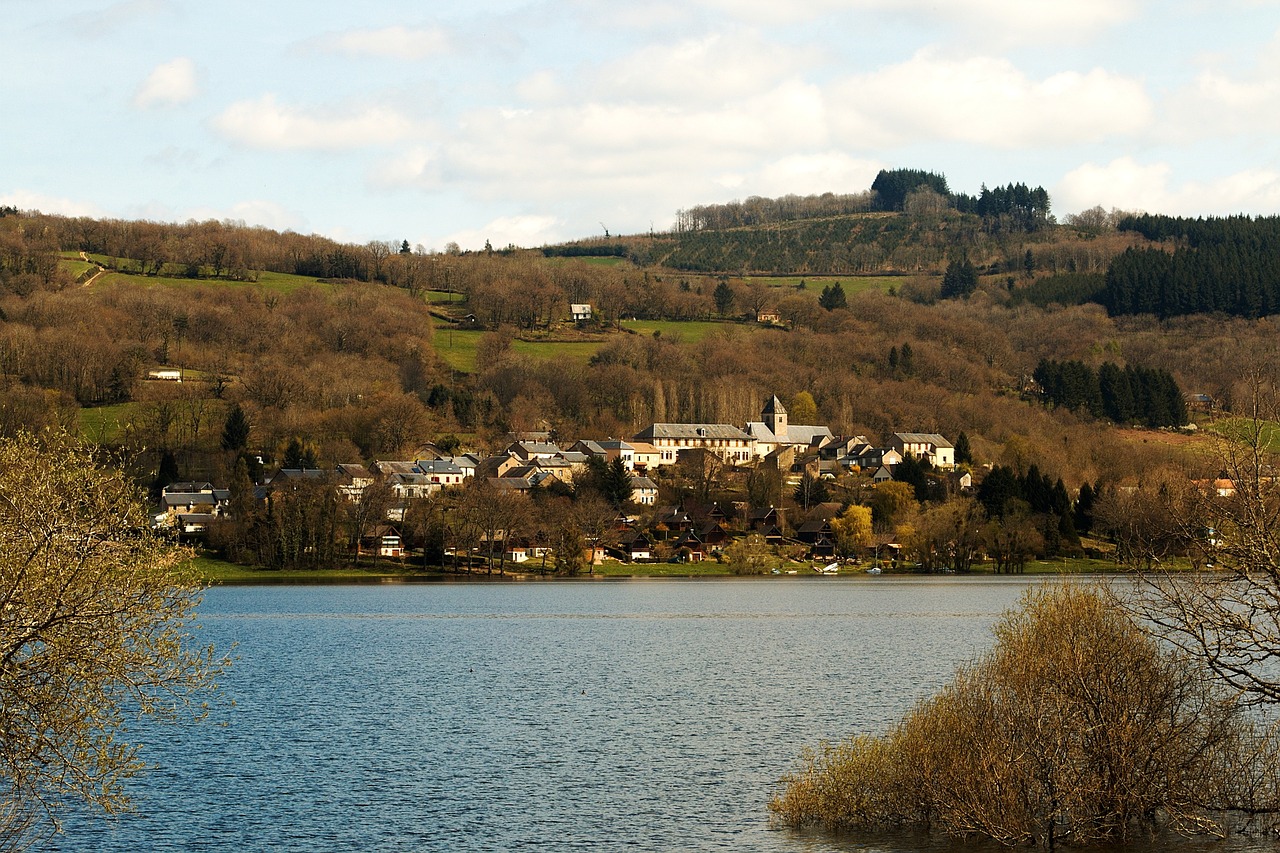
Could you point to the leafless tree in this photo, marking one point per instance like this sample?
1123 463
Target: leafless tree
1230 617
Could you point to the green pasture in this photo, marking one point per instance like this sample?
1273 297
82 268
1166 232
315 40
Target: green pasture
1243 429
104 424
458 348
686 331
270 281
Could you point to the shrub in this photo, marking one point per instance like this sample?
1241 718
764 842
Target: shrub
1076 726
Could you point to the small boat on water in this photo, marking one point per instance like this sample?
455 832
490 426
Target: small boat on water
874 570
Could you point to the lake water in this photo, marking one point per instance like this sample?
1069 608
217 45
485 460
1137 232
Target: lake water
647 715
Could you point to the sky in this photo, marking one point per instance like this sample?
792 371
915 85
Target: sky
530 123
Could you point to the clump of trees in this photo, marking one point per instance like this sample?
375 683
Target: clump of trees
1124 395
1226 265
1077 727
95 629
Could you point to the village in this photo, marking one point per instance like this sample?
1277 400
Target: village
657 516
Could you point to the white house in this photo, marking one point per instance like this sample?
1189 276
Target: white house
925 445
580 311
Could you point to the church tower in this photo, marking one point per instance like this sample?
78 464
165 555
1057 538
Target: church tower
775 418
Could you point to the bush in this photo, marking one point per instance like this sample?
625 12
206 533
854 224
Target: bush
1076 727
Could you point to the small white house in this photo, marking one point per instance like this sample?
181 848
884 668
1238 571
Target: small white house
580 311
166 374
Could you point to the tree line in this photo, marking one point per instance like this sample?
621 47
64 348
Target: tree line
1214 265
1128 394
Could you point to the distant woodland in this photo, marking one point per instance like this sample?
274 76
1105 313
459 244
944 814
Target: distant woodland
352 349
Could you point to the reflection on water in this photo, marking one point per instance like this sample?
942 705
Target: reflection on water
652 715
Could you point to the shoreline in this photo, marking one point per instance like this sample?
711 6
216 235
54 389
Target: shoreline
212 572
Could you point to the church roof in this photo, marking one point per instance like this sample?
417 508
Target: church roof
774 407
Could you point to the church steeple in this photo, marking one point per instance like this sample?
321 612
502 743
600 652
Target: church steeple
774 416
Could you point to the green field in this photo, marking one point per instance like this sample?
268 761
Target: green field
686 331
273 281
458 348
104 424
1242 430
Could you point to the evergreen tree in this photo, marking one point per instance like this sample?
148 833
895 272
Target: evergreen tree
811 491
960 279
997 489
963 454
723 297
617 483
833 297
299 456
167 472
906 360
1082 512
235 432
915 473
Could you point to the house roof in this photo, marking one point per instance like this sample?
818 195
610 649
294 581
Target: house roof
393 467
693 432
187 488
802 434
354 471
922 438
773 407
300 474
172 499
642 483
438 466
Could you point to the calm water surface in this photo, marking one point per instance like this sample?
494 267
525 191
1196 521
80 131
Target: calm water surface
639 715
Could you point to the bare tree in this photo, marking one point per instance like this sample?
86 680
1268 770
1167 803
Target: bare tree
1230 617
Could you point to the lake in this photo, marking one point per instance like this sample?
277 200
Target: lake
651 715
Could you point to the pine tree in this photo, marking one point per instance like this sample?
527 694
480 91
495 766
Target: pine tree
723 297
235 432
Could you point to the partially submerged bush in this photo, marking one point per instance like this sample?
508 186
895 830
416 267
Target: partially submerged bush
1076 726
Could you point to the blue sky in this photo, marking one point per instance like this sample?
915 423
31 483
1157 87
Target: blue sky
535 122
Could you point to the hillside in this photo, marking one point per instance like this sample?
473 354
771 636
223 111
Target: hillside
376 349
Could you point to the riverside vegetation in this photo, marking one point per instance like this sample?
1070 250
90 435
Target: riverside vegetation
1077 727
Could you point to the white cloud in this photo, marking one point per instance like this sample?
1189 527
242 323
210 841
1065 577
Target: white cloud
27 200
518 230
1219 103
265 124
1046 17
409 43
1127 184
710 69
986 101
808 174
169 84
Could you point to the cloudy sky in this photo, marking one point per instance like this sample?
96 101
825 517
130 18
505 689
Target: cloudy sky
533 122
